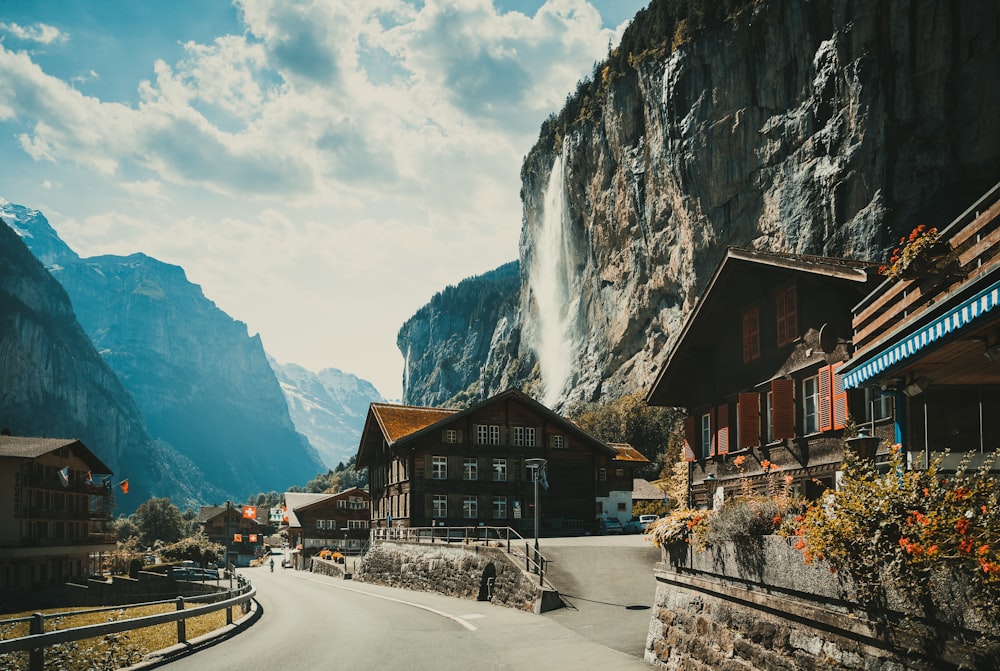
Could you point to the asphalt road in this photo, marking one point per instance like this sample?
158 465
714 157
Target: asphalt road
317 622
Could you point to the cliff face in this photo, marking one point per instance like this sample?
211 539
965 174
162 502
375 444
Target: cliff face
827 127
202 384
53 383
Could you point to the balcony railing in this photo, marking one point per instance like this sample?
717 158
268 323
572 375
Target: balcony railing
89 539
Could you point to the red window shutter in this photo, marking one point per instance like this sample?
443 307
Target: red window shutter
748 416
783 408
689 439
712 429
839 396
824 402
722 413
751 334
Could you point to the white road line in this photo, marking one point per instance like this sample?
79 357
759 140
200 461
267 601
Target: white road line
453 618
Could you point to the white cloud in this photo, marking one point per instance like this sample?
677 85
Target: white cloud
39 32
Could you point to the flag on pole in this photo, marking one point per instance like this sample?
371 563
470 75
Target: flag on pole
124 485
250 512
237 538
64 476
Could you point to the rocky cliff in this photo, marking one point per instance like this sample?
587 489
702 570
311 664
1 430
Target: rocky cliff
53 383
329 408
202 384
826 127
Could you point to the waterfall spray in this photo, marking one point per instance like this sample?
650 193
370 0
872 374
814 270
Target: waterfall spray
553 287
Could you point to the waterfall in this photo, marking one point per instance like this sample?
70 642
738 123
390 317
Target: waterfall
553 288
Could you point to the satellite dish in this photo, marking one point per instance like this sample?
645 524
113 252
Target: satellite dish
827 338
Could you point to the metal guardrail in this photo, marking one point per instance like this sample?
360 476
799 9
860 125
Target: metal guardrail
534 561
36 641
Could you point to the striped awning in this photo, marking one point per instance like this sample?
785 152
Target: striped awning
950 322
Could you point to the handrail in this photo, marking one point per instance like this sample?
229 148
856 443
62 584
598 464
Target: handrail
39 639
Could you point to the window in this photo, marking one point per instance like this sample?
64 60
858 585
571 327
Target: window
877 405
518 436
451 436
499 507
706 435
357 524
810 405
619 472
602 474
751 334
470 469
558 442
784 308
488 434
439 468
769 417
621 506
529 436
494 434
470 507
500 470
440 505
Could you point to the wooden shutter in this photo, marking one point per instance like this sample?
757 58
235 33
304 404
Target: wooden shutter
722 440
783 409
748 416
713 442
839 397
689 439
751 334
824 403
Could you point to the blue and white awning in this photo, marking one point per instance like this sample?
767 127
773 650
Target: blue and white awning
951 321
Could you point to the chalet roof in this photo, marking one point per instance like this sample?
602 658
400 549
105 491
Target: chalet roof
401 424
646 490
19 447
296 500
628 453
333 498
739 260
208 513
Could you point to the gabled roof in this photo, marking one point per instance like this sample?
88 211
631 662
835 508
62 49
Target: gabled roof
628 453
19 447
332 498
209 513
296 500
646 490
741 259
399 425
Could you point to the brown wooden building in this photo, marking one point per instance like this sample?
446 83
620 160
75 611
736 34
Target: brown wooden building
928 344
56 517
228 525
757 365
441 467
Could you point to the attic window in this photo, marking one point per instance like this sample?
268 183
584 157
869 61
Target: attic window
785 309
751 334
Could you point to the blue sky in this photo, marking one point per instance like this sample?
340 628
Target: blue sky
321 168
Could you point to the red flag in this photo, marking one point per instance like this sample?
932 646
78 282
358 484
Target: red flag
124 485
253 538
250 512
284 513
237 538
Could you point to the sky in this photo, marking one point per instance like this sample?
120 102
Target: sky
321 168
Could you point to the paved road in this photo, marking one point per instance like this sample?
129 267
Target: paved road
317 622
608 585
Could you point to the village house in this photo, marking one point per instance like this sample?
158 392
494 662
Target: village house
236 528
56 522
758 367
927 341
476 467
334 521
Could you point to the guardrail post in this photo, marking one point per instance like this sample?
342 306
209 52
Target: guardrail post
541 571
181 625
36 657
229 608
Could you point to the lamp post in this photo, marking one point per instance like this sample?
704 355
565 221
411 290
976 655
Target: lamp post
538 465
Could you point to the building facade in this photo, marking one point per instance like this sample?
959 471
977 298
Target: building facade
233 527
57 519
476 467
336 521
758 367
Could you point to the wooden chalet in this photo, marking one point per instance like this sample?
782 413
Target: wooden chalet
442 467
233 526
334 521
757 365
928 344
57 521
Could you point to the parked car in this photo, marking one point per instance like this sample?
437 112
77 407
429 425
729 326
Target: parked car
646 521
611 525
634 526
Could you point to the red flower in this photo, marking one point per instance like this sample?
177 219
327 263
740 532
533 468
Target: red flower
962 526
766 465
777 520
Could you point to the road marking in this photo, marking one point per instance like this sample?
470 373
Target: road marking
453 618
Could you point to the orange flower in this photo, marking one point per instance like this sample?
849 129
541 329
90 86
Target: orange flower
789 479
777 520
983 550
739 460
990 567
966 545
962 526
801 544
766 465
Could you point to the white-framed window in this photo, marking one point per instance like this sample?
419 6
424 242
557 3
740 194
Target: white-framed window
494 434
439 468
877 405
706 435
619 472
440 505
326 524
810 405
768 417
529 436
524 436
558 442
529 472
470 507
518 436
451 435
602 474
500 470
488 434
357 524
470 469
499 507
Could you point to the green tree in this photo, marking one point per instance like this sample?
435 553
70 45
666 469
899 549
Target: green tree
158 519
125 528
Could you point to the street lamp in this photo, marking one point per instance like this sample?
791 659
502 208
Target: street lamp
538 465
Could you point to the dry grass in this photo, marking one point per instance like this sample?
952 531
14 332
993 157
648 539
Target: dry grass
109 652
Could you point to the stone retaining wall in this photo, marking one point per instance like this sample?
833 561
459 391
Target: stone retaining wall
764 608
457 570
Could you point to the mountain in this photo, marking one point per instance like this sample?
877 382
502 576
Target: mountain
827 127
202 384
328 407
53 383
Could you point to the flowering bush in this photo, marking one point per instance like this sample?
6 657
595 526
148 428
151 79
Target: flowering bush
913 249
678 526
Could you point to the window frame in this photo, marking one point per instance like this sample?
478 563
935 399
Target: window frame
470 507
439 468
499 468
470 469
786 315
557 441
499 507
750 329
705 435
875 398
810 420
439 506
